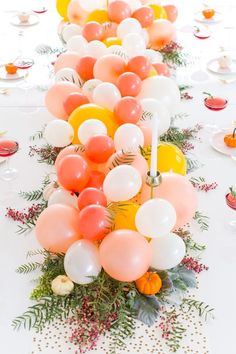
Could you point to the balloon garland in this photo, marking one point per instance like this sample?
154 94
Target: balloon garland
116 211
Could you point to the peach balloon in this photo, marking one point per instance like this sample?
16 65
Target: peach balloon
110 29
145 15
162 69
75 150
118 11
57 228
161 33
75 13
93 31
108 68
66 60
133 159
56 96
177 190
125 255
172 12
73 173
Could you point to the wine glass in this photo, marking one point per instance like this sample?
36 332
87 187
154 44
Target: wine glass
230 199
201 33
8 148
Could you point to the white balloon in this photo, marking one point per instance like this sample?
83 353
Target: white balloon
59 133
168 251
155 218
118 50
68 74
89 128
134 44
62 196
106 95
89 86
150 2
128 137
145 35
90 5
128 25
150 107
77 44
153 55
96 49
122 183
163 89
70 31
82 262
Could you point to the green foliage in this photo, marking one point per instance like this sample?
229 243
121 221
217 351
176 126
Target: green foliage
28 267
190 244
39 134
36 194
203 309
46 153
182 278
125 158
192 164
232 191
146 309
30 222
179 137
202 220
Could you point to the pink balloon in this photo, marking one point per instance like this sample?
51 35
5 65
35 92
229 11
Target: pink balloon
57 228
75 13
161 33
162 69
108 68
172 12
135 160
147 133
125 255
66 60
56 97
75 150
179 192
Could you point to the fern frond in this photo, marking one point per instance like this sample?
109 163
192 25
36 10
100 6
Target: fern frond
203 309
28 267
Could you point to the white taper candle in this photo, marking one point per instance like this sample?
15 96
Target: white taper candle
153 167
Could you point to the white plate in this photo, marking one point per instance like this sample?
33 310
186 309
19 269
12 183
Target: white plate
198 16
33 20
20 74
215 68
217 142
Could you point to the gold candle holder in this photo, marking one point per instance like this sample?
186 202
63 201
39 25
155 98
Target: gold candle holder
153 181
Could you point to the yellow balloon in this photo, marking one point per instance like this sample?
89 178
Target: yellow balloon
159 12
99 15
152 72
125 217
62 6
170 159
112 41
91 111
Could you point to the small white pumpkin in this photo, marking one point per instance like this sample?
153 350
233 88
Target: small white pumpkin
62 285
225 62
49 189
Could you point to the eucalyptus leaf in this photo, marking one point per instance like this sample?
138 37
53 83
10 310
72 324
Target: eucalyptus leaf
188 277
146 309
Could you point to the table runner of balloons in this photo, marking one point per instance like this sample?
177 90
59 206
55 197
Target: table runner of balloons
113 250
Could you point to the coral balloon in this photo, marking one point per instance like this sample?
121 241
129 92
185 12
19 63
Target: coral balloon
91 196
94 222
66 60
96 180
74 150
159 11
127 110
99 148
93 31
75 13
179 192
145 15
122 183
161 33
56 96
85 67
129 84
73 173
162 69
172 12
73 101
126 219
118 11
109 68
139 65
110 29
92 111
98 15
125 255
57 228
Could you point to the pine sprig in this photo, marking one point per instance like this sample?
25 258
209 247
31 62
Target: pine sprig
203 309
28 267
180 137
36 194
38 135
202 220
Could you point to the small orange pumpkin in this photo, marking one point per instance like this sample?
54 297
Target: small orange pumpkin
149 284
208 13
11 68
230 139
